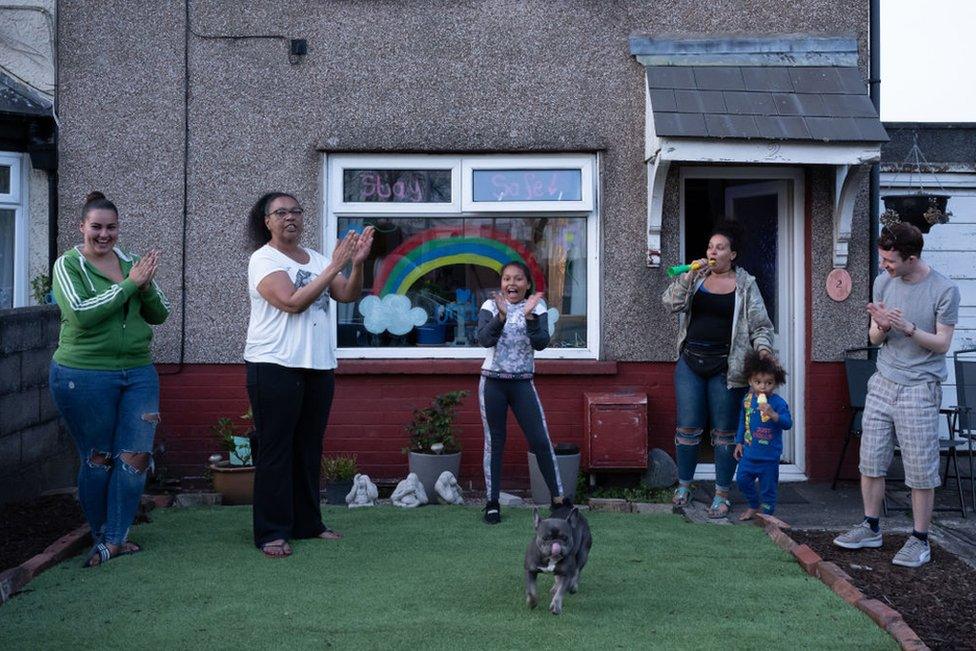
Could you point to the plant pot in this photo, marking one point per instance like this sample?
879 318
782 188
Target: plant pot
567 465
911 208
336 491
234 483
430 466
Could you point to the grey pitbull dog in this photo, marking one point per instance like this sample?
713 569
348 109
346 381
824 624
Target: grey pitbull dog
560 546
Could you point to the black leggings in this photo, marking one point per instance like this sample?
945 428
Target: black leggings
291 410
495 397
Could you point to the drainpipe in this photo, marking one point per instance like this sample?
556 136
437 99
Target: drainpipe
874 86
52 220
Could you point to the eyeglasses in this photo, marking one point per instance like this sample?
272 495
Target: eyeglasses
281 212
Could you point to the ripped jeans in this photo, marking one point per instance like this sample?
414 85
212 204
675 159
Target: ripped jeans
112 417
703 400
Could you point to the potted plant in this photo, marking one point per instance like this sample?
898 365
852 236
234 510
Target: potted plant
234 478
338 473
567 465
41 289
434 447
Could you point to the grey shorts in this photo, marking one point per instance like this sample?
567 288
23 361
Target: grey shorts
912 412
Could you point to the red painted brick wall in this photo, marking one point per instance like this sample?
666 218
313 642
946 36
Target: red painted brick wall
374 400
827 419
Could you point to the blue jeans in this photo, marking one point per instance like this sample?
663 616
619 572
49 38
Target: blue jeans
109 414
702 400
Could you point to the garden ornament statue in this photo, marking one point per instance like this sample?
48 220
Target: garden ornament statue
363 492
410 493
447 489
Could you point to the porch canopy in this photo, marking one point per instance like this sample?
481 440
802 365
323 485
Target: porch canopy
782 100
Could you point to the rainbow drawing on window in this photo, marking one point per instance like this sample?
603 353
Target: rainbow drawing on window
443 246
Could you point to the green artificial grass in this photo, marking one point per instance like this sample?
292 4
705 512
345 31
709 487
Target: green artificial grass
434 577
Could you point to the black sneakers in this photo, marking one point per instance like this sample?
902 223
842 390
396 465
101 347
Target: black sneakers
493 513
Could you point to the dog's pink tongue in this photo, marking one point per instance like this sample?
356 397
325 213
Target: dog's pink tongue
555 549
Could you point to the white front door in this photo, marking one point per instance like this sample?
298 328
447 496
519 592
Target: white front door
768 202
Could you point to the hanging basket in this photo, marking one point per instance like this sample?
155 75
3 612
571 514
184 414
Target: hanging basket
920 209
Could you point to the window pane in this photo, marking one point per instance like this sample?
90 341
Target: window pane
7 223
426 278
396 186
527 185
4 179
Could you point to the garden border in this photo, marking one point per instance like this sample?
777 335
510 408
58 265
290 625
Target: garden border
886 617
16 578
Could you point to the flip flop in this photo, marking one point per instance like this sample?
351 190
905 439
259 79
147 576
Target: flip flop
125 550
101 551
330 534
276 549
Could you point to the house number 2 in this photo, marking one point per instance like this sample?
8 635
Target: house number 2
839 285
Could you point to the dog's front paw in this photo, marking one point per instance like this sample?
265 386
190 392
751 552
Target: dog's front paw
556 607
531 600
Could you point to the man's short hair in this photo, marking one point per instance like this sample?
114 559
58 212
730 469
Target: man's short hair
904 238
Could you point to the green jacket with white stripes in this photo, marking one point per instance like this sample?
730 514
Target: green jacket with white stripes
105 325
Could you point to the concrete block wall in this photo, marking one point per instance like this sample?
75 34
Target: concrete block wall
36 451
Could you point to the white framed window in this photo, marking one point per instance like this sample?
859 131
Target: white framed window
437 256
13 230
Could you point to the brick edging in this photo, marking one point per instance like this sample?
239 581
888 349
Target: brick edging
16 578
13 580
887 618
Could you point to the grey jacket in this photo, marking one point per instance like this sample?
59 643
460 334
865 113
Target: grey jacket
751 327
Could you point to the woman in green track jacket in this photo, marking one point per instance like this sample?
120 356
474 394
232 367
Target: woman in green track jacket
102 377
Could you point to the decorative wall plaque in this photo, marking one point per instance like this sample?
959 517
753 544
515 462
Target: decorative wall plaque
839 285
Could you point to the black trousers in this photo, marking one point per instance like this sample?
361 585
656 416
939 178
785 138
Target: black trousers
496 396
291 410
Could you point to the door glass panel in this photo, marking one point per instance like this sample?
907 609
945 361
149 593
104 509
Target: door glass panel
7 224
4 179
758 255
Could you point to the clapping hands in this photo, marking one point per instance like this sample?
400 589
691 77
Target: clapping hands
143 271
354 248
530 304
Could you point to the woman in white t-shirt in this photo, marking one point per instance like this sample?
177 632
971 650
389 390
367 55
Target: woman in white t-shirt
290 357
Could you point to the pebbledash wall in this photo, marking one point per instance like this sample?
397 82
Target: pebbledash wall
149 100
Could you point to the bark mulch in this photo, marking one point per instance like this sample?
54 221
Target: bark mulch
938 600
28 527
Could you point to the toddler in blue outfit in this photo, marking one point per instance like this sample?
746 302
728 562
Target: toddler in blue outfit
759 441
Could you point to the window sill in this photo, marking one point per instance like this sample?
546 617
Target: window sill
466 367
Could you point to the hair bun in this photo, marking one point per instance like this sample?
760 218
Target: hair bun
94 195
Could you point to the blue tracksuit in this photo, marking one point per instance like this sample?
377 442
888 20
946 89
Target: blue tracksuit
762 446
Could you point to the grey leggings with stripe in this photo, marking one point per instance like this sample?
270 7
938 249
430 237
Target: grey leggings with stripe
495 397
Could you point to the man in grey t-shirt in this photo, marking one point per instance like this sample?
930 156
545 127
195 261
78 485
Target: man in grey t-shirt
913 320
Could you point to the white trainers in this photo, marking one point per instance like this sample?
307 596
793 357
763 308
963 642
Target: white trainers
858 537
914 553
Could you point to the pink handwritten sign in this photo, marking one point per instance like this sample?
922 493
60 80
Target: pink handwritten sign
396 186
527 185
